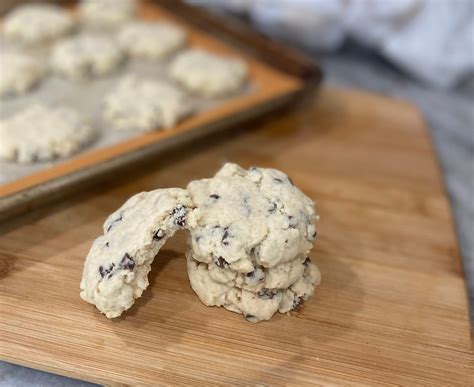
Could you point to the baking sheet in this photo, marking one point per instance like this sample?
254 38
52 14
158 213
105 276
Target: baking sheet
270 87
86 97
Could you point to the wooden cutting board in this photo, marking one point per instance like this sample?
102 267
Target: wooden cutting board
391 308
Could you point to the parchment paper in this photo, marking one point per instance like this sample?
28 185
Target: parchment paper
86 97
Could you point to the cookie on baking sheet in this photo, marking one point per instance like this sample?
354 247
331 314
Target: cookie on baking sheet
37 23
107 13
254 217
148 40
86 56
116 268
19 73
40 133
254 305
144 104
208 74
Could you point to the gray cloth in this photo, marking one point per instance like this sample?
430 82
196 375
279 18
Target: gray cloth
433 40
12 375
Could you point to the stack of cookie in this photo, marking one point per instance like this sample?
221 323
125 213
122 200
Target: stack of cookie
250 245
250 235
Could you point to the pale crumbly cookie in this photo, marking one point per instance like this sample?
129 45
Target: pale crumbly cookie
147 40
107 13
208 74
40 133
251 218
19 73
116 268
86 56
249 247
37 23
145 104
280 276
255 306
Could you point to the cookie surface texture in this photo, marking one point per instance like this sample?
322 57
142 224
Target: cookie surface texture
207 74
40 133
20 72
37 23
145 104
106 13
147 40
86 56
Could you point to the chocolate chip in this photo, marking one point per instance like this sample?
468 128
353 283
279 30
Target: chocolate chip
250 317
272 208
315 234
256 275
307 261
127 262
221 262
277 180
180 215
292 221
214 196
159 234
266 294
106 271
112 224
297 301
224 240
107 244
253 168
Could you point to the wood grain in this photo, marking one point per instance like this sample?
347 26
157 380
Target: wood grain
391 308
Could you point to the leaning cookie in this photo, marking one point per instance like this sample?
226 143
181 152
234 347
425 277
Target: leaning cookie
280 276
145 104
145 40
106 13
37 23
40 133
116 268
20 72
86 56
208 74
255 306
251 218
